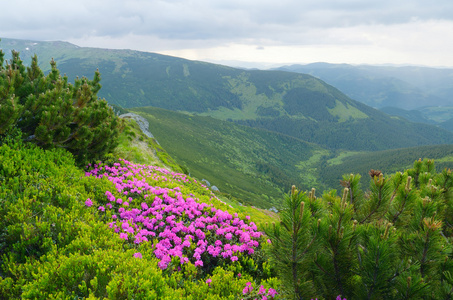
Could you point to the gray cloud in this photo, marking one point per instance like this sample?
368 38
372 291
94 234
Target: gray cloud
207 23
204 19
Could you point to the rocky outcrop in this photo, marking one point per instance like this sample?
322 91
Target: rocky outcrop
142 123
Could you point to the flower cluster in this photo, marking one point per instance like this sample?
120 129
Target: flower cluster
262 293
338 298
179 226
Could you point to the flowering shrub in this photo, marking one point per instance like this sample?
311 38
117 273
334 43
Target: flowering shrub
177 225
55 242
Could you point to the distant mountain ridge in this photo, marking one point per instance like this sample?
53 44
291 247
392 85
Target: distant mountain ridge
295 104
399 91
407 87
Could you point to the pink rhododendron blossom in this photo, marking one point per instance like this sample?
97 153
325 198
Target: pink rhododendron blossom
177 223
198 263
88 202
272 292
248 288
138 255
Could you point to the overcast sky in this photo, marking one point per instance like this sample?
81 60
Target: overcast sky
416 32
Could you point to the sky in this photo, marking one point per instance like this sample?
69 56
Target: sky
264 33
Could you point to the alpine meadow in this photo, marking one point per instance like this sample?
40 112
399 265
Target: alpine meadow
180 179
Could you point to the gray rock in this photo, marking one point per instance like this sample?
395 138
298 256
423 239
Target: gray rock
142 123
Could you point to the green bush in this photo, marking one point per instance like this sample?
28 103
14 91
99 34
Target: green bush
51 112
53 246
390 242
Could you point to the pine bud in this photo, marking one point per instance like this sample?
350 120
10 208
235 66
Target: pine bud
293 190
354 225
313 197
409 279
386 233
408 183
319 222
345 195
302 205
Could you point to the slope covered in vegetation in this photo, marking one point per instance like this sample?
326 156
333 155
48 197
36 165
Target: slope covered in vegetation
254 165
105 233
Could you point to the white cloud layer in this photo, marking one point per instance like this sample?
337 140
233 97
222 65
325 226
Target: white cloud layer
285 31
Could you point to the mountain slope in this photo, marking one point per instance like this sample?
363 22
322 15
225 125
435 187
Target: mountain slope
388 161
254 165
401 91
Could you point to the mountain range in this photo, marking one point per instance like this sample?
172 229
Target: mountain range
253 133
420 94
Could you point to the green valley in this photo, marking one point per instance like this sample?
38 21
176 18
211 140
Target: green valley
255 166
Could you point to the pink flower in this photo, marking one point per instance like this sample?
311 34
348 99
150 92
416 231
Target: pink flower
89 203
262 290
272 292
248 288
209 281
177 222
101 208
199 263
138 255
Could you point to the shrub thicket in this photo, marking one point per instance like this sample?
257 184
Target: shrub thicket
51 112
58 238
392 241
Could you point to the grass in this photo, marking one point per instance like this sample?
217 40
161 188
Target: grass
346 112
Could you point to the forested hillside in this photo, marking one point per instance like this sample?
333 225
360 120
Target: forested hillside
256 166
419 94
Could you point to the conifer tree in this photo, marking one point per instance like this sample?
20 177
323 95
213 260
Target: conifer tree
393 241
294 243
334 262
51 112
10 108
